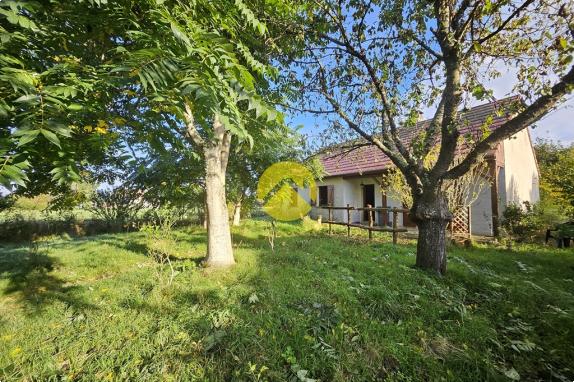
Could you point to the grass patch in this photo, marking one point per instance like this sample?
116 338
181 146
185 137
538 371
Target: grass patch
317 307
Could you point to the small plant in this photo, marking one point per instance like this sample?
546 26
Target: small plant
255 372
160 243
272 234
296 371
309 224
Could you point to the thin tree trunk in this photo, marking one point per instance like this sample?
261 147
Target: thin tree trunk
237 213
432 216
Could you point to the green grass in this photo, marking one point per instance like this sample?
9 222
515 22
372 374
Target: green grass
321 307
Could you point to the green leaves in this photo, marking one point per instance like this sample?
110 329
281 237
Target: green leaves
13 17
65 170
12 170
44 85
196 64
250 17
51 137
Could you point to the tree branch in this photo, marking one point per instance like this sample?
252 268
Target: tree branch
425 46
225 149
191 131
505 22
521 121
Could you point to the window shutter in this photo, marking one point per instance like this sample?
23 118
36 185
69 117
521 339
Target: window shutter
330 195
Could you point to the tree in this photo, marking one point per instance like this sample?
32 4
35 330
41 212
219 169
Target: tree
51 94
247 166
191 73
372 66
556 175
193 64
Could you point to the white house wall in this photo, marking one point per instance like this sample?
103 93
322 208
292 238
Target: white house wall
521 170
481 213
349 191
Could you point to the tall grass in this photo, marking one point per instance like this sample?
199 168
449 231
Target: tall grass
317 307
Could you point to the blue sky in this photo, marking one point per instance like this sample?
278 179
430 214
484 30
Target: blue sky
558 125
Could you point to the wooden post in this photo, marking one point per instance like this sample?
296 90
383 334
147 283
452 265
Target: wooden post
330 218
395 223
348 221
493 168
370 222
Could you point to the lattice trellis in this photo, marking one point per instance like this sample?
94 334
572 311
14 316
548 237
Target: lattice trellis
460 225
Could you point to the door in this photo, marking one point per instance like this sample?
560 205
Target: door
368 199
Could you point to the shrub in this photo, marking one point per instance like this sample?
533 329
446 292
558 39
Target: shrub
309 224
36 203
118 206
161 243
6 202
522 224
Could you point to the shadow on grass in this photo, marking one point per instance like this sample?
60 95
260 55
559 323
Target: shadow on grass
32 283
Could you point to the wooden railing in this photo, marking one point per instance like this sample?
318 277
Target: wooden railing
371 226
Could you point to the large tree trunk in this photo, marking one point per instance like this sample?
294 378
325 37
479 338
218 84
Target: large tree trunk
216 152
431 214
219 249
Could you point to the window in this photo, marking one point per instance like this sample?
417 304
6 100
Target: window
326 194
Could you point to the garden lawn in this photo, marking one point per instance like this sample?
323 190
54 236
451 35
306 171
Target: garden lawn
318 307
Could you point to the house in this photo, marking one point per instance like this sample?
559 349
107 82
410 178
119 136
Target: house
513 175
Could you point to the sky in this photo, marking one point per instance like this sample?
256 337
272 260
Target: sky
558 125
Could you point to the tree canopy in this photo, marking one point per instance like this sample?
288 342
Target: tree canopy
556 164
373 66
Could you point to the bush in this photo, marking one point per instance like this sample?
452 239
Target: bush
6 202
522 224
309 224
36 203
118 206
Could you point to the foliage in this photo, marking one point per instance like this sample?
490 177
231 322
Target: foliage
52 92
368 316
36 203
522 223
195 54
369 67
460 192
246 166
556 164
116 108
161 243
6 201
76 195
119 205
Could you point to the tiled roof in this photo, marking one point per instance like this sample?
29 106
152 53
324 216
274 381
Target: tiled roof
370 159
